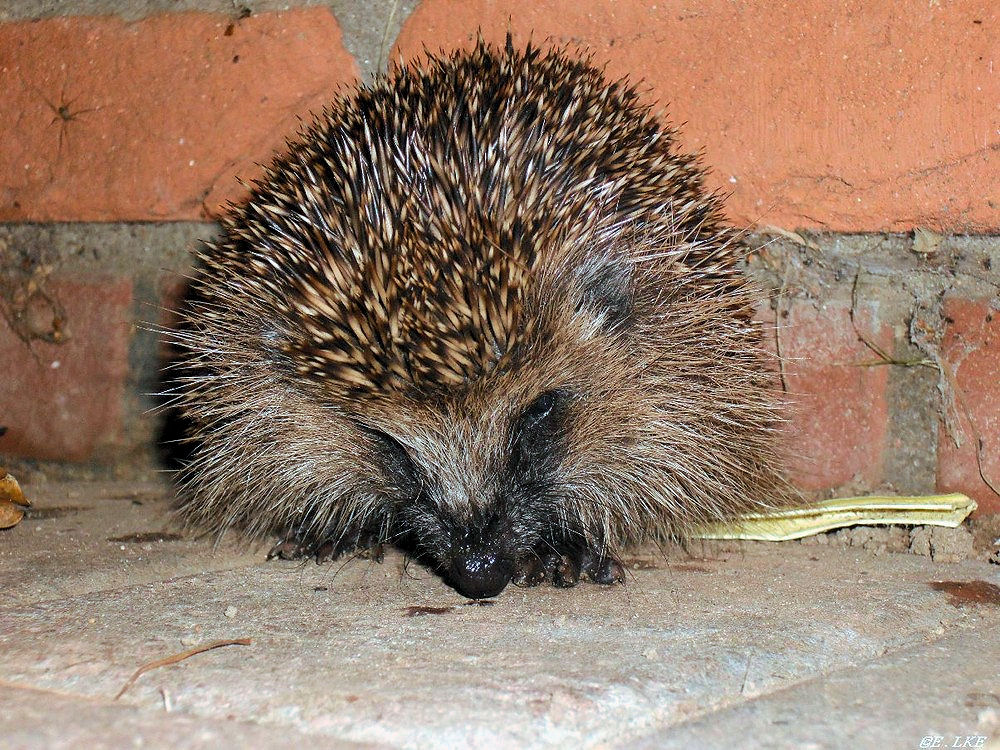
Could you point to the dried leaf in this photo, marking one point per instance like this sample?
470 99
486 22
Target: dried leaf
12 501
10 514
10 490
795 237
926 242
795 523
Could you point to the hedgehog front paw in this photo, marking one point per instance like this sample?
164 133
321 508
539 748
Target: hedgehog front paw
561 571
564 570
606 571
529 572
289 549
294 548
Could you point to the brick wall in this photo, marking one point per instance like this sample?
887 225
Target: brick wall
861 139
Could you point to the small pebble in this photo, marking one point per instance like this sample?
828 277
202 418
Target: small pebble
651 654
230 611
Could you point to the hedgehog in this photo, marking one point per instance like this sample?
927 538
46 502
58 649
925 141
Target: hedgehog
484 310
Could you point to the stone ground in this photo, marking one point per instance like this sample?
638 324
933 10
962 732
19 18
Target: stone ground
761 646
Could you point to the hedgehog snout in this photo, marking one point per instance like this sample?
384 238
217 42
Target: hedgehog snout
480 572
479 567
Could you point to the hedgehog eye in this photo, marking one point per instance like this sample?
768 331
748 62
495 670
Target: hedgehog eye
396 462
538 410
535 428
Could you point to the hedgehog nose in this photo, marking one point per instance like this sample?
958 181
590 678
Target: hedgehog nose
480 574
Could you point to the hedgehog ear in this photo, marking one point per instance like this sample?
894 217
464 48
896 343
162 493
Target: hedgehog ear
606 294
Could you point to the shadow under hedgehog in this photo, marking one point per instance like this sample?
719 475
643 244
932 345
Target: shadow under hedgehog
484 310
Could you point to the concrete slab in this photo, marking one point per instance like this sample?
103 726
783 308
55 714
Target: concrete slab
88 536
39 718
793 643
940 694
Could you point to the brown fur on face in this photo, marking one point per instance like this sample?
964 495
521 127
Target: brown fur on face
484 304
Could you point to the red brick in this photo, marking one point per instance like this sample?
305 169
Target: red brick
839 401
972 350
168 110
848 116
64 401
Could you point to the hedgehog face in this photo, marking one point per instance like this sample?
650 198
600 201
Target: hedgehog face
478 500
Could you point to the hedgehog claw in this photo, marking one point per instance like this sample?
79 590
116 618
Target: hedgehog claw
529 573
566 570
326 551
366 548
374 552
603 570
293 548
287 549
